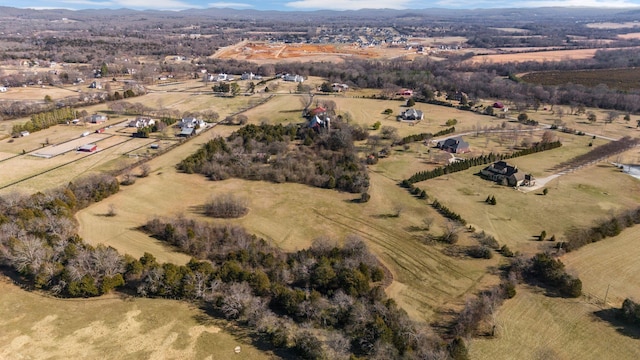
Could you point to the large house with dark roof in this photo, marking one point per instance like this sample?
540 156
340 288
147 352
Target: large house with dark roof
454 145
506 174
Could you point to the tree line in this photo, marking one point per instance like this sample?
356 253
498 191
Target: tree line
45 120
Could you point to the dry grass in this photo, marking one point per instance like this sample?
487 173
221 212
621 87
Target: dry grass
611 263
612 25
36 326
291 216
635 35
532 326
557 55
581 197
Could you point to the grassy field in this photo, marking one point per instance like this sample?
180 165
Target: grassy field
532 326
35 326
611 263
426 281
291 216
620 79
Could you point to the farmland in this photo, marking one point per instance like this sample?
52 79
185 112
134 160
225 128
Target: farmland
35 326
620 79
429 276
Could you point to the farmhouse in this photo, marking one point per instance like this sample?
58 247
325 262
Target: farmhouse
88 148
411 115
506 174
454 145
141 122
294 78
337 87
191 122
250 76
98 118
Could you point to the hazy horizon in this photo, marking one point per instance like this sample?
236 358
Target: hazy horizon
311 5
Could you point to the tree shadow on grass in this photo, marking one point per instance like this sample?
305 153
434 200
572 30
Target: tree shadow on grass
211 317
624 328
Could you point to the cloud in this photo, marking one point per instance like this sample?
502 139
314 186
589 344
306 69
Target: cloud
349 4
229 5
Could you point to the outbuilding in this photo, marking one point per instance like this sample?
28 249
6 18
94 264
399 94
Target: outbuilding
88 148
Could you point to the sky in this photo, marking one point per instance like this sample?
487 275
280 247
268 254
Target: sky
309 5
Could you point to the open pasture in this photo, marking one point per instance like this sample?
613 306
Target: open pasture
555 55
630 36
609 268
36 326
533 326
614 25
71 145
37 93
291 216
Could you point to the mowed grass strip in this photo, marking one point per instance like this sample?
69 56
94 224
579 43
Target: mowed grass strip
535 326
35 326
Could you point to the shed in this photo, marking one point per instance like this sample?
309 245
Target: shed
187 132
88 148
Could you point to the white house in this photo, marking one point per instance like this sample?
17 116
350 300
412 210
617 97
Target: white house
292 77
250 76
98 118
191 122
141 122
3 89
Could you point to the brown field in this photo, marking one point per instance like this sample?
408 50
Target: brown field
635 35
612 25
291 216
620 79
35 326
556 55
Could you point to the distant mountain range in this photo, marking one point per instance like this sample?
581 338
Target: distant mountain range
514 14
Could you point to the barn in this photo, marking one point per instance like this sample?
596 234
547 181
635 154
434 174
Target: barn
88 148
